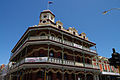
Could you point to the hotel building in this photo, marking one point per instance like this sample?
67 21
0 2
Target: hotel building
48 51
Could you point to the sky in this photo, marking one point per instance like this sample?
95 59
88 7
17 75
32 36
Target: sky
85 15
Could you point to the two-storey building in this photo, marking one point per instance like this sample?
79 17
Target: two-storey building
108 72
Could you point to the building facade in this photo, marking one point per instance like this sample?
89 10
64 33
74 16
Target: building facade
47 51
3 71
108 72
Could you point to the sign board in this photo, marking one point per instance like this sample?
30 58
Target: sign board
36 59
78 64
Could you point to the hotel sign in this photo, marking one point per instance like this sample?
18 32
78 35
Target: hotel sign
36 59
76 45
78 64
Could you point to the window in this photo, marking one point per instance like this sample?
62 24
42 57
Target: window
51 54
50 76
45 16
60 55
84 37
51 18
42 55
81 77
73 76
53 35
40 74
66 76
65 56
65 39
74 33
59 37
88 61
78 59
103 67
58 75
59 27
44 21
43 34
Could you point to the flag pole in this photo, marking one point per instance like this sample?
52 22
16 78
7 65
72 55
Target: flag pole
49 2
48 6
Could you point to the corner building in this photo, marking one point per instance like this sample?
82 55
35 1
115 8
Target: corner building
108 72
47 51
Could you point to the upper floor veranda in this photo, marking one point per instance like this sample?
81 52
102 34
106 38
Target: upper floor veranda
56 35
51 54
48 27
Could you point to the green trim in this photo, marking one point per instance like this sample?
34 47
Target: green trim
92 62
62 55
75 76
48 51
74 57
83 60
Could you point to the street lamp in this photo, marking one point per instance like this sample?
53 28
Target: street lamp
105 12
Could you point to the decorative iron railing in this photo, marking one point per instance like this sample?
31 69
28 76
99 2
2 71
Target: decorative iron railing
52 60
57 40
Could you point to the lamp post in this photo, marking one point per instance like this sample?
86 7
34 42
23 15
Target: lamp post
105 12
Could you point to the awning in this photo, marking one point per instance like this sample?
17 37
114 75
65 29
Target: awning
110 73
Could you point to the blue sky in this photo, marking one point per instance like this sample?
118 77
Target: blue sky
85 15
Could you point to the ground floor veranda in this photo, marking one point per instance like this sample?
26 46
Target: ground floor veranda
53 74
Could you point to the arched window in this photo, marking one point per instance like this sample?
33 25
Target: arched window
52 35
43 34
41 53
60 55
50 76
74 33
51 18
79 59
83 37
44 21
66 76
89 77
51 54
40 74
65 39
59 37
81 77
88 61
59 76
45 16
65 56
73 76
59 26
